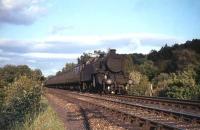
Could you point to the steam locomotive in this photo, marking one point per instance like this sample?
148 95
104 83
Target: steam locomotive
103 74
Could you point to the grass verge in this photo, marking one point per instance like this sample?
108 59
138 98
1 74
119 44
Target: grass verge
47 119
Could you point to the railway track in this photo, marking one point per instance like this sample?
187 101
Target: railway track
150 116
187 108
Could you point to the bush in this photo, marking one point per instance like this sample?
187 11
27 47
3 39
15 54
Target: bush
160 84
149 69
179 85
183 92
19 97
140 86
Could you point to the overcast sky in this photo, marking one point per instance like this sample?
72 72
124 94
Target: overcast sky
46 34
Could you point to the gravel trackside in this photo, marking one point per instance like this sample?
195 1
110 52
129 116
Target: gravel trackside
78 116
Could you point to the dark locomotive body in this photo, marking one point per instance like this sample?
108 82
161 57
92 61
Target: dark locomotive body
100 74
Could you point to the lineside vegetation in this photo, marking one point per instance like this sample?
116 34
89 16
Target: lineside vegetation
173 71
20 98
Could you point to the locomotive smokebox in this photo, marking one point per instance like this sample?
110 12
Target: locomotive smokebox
114 61
112 51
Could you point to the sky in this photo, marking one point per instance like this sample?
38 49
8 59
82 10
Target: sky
46 34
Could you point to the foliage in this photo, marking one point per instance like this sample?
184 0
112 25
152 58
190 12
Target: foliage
128 64
140 86
183 58
135 76
46 119
179 70
160 83
197 77
68 66
173 70
138 59
24 90
86 56
11 72
177 57
20 91
99 52
183 92
180 85
2 95
148 69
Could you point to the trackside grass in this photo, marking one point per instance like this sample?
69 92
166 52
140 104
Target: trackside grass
47 119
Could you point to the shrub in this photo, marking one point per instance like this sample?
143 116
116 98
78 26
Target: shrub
19 97
183 92
140 86
179 85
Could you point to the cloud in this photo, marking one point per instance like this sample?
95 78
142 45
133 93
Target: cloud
54 51
20 12
58 46
32 61
51 55
91 40
124 43
60 29
4 58
10 45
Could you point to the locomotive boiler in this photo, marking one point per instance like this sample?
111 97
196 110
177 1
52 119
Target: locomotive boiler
104 73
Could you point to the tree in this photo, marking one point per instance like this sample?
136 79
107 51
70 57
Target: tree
140 86
197 77
153 55
183 58
182 85
84 58
99 52
128 63
160 84
2 95
149 69
58 73
68 66
37 75
20 93
138 59
183 92
177 57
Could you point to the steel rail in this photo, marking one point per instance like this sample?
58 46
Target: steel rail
177 115
133 118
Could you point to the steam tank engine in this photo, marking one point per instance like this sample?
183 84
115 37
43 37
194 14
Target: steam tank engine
99 74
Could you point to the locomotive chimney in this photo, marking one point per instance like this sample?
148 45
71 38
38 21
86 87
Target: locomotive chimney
112 51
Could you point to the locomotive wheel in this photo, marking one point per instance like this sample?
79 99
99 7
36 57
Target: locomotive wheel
105 89
81 87
95 85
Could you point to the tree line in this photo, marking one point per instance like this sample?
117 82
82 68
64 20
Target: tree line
173 71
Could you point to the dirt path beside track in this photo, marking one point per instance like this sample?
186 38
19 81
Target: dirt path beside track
78 116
